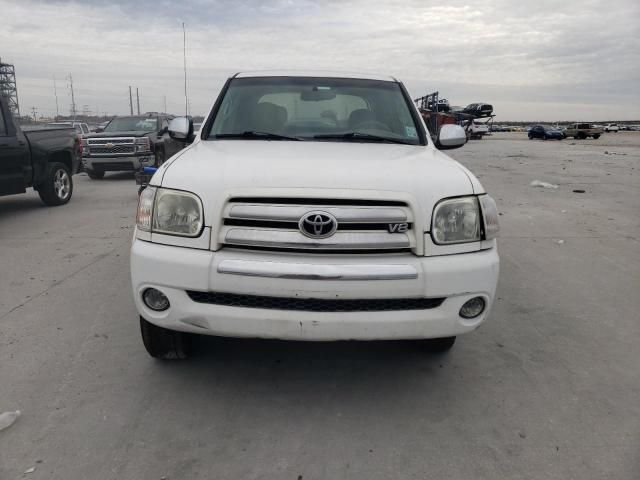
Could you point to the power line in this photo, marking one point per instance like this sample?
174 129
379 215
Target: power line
130 101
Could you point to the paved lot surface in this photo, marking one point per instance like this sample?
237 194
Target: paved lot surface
549 388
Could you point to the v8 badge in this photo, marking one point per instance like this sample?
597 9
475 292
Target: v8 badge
398 227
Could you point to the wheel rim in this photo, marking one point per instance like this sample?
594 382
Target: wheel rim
62 184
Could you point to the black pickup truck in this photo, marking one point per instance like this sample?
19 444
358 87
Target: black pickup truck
44 159
129 143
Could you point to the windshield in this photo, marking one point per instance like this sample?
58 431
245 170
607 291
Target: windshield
132 124
322 109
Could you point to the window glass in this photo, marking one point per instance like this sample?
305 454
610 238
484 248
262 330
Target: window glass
132 124
307 107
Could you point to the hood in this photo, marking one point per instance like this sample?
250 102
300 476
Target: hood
219 170
118 134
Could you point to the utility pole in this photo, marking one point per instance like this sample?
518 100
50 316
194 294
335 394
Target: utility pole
35 117
138 100
130 101
164 98
55 92
73 98
184 55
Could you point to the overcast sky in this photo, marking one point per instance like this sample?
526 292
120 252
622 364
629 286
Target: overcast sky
536 60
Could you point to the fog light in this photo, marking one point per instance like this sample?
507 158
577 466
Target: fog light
472 308
155 299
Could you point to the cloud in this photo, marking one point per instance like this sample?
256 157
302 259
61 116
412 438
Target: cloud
552 61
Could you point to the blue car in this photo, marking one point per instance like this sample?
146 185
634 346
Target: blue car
545 133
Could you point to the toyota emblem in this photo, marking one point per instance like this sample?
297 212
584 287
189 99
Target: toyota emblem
318 224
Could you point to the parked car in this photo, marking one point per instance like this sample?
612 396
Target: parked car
545 133
583 130
479 109
477 130
442 106
277 222
129 143
81 128
43 159
611 127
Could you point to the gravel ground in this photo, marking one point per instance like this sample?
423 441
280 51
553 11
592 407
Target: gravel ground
549 388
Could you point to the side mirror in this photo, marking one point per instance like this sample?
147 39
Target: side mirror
162 131
451 136
181 129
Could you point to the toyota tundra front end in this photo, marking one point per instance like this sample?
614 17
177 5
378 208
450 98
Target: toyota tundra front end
313 207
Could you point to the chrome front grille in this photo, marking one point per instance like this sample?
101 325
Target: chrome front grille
111 147
273 224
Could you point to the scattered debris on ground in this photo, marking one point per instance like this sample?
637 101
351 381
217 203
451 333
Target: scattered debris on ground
8 418
578 190
538 183
30 470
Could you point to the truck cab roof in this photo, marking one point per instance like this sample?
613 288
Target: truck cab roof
313 73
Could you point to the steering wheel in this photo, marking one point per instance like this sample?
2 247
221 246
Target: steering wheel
373 125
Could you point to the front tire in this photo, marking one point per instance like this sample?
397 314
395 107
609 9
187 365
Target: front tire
440 345
596 136
57 187
164 343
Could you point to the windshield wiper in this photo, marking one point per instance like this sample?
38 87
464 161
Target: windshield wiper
361 136
252 134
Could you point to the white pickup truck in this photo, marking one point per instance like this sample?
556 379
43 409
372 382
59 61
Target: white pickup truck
313 207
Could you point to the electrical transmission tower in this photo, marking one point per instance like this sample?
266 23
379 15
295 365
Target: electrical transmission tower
8 87
73 98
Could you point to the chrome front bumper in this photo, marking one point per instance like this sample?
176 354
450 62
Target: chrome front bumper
314 271
117 163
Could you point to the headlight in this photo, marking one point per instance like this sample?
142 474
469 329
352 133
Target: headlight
456 220
172 212
142 144
489 217
177 213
